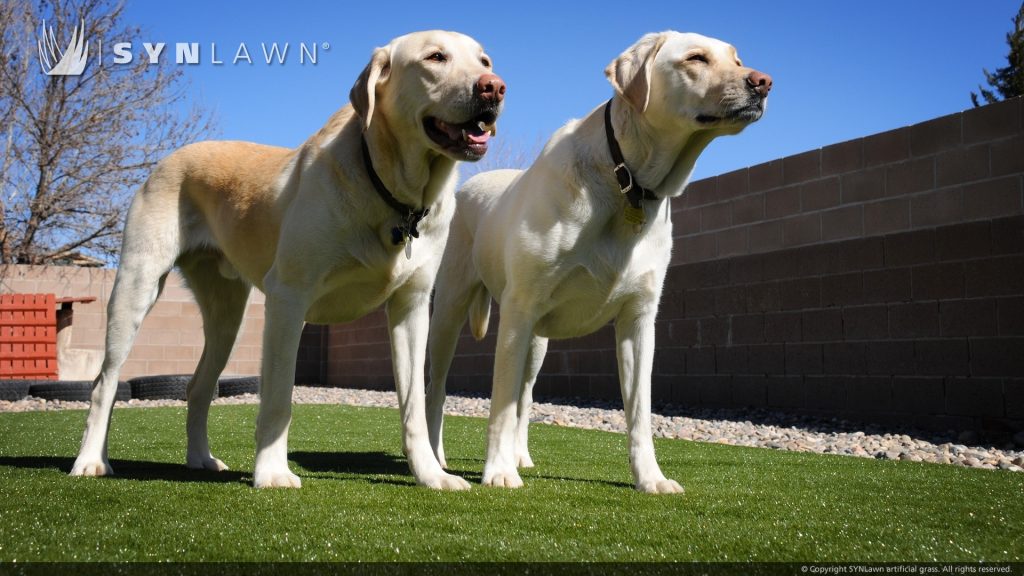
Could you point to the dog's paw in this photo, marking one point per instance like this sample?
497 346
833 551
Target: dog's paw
502 479
662 486
282 479
445 481
523 460
207 462
92 468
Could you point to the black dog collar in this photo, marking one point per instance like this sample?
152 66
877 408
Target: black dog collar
406 231
634 192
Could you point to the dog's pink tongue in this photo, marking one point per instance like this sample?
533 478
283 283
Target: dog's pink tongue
480 138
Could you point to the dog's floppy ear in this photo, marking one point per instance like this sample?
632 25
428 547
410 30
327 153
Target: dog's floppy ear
364 91
630 73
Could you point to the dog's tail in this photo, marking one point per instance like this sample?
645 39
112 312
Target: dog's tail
480 312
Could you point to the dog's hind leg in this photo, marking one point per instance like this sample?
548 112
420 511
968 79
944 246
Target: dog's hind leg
222 302
457 288
534 360
149 250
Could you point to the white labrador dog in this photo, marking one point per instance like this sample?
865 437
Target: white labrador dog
355 218
584 237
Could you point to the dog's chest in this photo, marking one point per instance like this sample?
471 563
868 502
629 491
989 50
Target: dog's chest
591 291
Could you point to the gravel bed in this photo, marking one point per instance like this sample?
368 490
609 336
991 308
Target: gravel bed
755 428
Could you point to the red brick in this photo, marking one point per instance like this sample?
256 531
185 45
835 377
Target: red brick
844 358
968 318
1010 314
819 194
801 230
870 394
733 184
975 397
919 395
935 135
804 358
714 391
782 202
748 209
695 248
714 331
908 248
766 176
701 192
802 167
842 223
683 332
824 325
732 242
700 360
991 122
937 208
748 329
785 391
914 320
865 323
962 165
763 297
1008 156
890 357
905 178
749 391
842 157
842 289
826 393
863 186
938 281
997 356
765 236
801 293
993 198
715 216
1013 393
1008 235
766 359
782 327
947 357
886 217
963 241
731 359
1002 276
686 221
730 300
887 147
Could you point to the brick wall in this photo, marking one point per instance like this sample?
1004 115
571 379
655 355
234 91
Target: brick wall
171 338
880 278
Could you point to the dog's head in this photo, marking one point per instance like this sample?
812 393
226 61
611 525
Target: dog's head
690 80
436 86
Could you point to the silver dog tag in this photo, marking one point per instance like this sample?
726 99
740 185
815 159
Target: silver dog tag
408 247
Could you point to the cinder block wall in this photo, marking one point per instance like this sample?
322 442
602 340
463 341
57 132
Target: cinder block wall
171 338
880 278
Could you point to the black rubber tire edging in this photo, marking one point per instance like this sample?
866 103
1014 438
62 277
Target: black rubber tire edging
14 390
164 387
238 385
73 390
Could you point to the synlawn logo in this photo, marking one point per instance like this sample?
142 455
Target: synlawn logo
73 60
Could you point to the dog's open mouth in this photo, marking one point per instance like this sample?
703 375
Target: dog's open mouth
467 140
744 115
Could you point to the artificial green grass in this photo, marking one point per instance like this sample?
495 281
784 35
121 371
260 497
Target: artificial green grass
358 501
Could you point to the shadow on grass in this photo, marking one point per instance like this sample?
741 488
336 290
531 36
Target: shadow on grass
130 469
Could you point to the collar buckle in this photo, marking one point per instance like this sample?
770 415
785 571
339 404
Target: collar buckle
624 176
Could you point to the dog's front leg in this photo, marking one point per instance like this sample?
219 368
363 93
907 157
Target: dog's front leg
408 320
515 333
285 310
634 335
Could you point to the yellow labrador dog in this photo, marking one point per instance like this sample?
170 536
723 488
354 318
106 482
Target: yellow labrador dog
584 237
355 218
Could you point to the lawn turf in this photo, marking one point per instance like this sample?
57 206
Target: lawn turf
358 501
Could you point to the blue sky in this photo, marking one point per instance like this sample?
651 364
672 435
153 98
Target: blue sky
842 69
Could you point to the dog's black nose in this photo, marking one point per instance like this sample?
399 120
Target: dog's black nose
760 82
491 87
